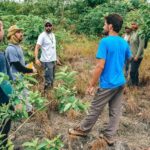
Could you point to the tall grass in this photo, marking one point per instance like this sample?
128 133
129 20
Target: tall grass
145 67
81 46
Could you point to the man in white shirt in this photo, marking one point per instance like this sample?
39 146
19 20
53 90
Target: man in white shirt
47 42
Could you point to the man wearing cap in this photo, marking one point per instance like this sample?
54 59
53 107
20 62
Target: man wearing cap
14 52
47 42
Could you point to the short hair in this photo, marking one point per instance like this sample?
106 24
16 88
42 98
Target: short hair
116 21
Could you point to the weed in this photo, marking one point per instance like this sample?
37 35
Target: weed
65 93
45 144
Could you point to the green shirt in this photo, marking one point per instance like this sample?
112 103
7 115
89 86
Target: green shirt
137 44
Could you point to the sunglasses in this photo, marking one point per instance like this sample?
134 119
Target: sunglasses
48 25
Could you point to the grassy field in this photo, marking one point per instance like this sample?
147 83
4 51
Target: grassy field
80 56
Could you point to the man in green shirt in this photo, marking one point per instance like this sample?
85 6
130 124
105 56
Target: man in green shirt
137 47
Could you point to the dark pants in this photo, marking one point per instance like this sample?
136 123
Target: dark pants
49 73
134 72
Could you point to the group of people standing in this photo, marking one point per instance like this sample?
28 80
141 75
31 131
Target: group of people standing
136 42
112 55
12 62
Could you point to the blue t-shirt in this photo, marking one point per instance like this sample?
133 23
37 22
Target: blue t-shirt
115 51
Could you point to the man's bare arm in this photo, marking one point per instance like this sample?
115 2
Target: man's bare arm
36 52
96 74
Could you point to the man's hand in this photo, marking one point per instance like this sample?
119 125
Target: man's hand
34 69
90 90
136 58
37 61
58 62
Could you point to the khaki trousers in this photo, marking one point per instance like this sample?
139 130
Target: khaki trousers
103 96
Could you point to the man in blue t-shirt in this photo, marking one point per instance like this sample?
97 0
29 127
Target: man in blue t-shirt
112 54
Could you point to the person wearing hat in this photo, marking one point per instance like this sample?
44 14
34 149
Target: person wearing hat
15 57
14 52
47 42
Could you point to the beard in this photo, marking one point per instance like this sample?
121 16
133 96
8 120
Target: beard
20 39
105 33
49 30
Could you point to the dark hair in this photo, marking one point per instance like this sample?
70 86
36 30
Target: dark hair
116 21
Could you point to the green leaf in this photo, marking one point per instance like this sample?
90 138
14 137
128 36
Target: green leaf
67 107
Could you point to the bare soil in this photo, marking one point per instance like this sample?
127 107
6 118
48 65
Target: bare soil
134 125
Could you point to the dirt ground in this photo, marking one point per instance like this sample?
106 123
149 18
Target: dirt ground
134 125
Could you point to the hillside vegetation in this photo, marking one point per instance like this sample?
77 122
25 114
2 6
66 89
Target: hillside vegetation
78 26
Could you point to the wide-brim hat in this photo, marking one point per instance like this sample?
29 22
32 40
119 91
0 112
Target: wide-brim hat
12 30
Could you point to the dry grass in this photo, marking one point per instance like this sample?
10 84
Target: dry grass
131 105
145 115
145 68
41 118
82 82
43 122
81 46
99 144
48 131
81 56
72 114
